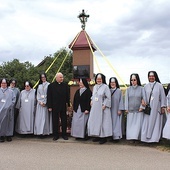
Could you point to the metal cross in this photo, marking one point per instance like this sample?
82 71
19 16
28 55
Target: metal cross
83 19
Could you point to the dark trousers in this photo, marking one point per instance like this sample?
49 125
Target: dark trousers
55 119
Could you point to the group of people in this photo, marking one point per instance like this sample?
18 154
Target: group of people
108 108
99 113
33 111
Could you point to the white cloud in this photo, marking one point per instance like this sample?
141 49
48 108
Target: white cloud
133 34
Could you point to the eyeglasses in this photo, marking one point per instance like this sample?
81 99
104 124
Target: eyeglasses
133 79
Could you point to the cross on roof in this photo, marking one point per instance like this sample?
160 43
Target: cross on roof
83 19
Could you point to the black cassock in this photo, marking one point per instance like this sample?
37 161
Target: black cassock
57 98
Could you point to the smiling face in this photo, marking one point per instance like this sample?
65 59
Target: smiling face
27 86
99 80
43 78
3 84
59 77
12 84
113 84
151 77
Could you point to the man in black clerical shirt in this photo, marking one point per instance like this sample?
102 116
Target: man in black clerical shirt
57 101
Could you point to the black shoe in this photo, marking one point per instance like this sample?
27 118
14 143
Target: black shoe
65 137
102 140
8 138
77 138
42 136
23 135
96 140
116 141
132 141
111 140
55 138
86 138
2 139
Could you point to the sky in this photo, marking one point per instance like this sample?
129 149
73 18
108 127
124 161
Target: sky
134 35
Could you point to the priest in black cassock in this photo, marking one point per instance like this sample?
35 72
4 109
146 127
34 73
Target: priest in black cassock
57 100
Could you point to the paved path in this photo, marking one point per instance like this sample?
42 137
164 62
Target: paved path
45 154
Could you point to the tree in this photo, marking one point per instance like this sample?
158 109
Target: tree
20 71
66 69
27 71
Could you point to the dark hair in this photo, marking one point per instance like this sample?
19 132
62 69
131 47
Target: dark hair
137 78
168 88
157 79
84 80
116 81
103 78
40 81
10 81
6 81
40 76
155 74
30 84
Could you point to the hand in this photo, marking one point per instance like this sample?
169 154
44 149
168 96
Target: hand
50 109
143 103
91 103
86 112
168 109
162 110
42 104
119 112
140 109
103 107
126 111
69 109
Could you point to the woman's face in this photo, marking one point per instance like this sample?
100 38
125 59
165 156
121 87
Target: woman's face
113 85
43 78
81 85
134 81
4 85
151 78
27 87
12 85
99 80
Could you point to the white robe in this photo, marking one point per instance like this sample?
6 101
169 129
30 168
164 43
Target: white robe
133 100
43 119
152 124
166 129
7 101
117 105
26 106
16 93
100 121
79 122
